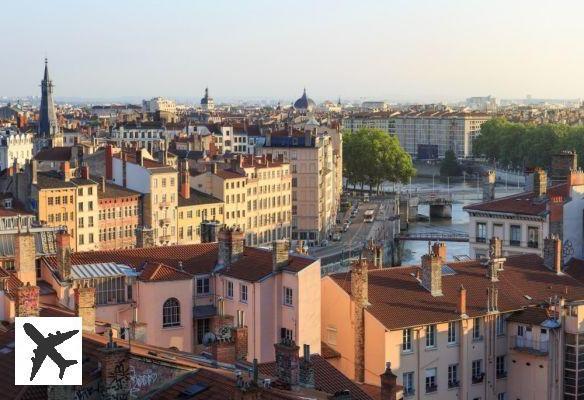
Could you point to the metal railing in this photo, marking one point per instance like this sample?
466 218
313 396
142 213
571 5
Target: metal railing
435 236
537 346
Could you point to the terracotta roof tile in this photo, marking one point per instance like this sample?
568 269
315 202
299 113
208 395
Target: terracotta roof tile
157 272
398 300
531 316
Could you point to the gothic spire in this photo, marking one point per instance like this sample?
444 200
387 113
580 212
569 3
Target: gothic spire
48 127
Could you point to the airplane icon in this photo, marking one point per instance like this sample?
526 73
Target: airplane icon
46 347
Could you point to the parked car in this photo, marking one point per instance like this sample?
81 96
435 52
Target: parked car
336 236
324 243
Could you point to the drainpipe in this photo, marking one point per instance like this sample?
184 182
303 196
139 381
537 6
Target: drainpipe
418 350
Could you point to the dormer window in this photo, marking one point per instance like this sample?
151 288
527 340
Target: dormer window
7 203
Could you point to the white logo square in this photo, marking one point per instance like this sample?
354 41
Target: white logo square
48 351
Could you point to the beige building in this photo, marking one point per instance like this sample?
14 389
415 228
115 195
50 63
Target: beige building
256 192
315 157
463 330
158 184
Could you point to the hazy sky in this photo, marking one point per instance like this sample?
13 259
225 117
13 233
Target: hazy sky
395 50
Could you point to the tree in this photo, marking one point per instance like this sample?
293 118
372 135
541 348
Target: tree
371 157
449 166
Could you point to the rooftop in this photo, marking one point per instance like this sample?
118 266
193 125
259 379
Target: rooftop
197 198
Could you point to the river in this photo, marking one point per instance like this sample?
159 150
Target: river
463 193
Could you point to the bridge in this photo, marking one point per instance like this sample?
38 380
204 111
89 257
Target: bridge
434 236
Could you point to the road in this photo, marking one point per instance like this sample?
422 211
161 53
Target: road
356 235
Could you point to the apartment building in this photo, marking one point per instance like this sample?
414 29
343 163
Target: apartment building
494 330
151 136
157 104
429 134
379 120
158 185
522 220
15 147
119 216
87 211
256 192
315 158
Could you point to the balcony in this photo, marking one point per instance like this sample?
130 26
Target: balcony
535 347
409 392
501 374
514 243
533 244
453 384
478 378
165 238
163 204
480 239
165 222
431 388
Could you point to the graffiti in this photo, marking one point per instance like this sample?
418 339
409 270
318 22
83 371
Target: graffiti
141 381
87 392
119 377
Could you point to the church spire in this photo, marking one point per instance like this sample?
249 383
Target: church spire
48 131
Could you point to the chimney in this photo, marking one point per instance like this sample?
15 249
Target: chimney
27 301
64 255
102 184
287 363
432 273
84 171
489 180
115 370
360 296
66 169
389 387
462 301
496 259
306 375
223 351
139 159
184 179
144 237
230 246
25 257
85 307
214 168
539 182
552 254
240 333
109 162
280 255
439 249
308 139
34 171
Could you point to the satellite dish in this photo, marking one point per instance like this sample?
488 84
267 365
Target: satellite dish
209 338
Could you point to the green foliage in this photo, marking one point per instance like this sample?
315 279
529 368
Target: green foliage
526 145
449 166
371 156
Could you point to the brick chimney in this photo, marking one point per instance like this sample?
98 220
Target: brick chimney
462 301
439 249
66 170
85 307
214 168
389 387
240 335
64 255
489 179
552 254
109 155
184 179
496 259
539 182
34 172
287 363
360 297
115 370
280 255
223 351
432 273
306 375
84 171
27 301
25 257
231 242
139 158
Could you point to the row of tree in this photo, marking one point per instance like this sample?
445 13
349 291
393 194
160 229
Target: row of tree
519 145
371 157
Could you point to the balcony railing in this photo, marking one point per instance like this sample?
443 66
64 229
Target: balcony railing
533 244
431 388
478 378
501 374
409 392
480 239
529 345
453 384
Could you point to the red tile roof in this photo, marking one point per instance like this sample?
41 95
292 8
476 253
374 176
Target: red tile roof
525 203
530 316
398 300
328 352
252 266
157 272
326 378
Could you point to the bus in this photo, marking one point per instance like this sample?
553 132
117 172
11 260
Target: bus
368 216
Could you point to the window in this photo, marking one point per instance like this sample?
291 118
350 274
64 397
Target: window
81 241
501 325
203 327
109 290
286 334
520 330
477 371
203 286
288 296
453 376
243 293
407 340
476 329
171 313
80 191
533 237
481 232
501 367
430 335
90 191
452 332
229 289
502 396
431 384
408 383
50 201
515 235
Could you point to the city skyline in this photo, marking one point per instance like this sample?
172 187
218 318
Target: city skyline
177 51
